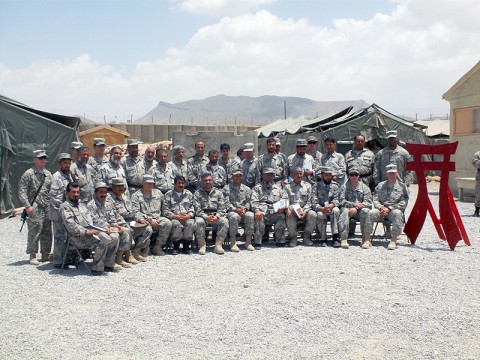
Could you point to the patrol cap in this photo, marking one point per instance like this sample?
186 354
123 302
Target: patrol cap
248 147
148 179
237 172
353 170
39 153
63 156
100 184
312 139
277 141
132 142
391 134
98 141
178 148
301 142
391 168
268 170
118 181
76 145
326 170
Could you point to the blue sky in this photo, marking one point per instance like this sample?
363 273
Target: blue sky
117 58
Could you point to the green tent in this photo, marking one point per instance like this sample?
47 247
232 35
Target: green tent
23 130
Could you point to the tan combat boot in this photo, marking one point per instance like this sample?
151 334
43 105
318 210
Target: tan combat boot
233 244
218 249
119 260
129 258
202 246
117 267
248 243
137 256
367 243
33 259
393 243
46 257
344 244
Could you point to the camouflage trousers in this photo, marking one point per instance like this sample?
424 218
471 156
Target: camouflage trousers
104 247
162 233
310 222
234 220
344 222
221 227
322 220
278 220
60 240
477 193
395 216
39 231
124 239
141 237
183 230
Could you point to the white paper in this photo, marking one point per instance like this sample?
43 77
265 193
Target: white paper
307 165
281 204
326 204
298 210
132 223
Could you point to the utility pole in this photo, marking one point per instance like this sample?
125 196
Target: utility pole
285 108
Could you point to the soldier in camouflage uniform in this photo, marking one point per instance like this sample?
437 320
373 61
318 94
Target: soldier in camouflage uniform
299 193
269 160
105 216
77 218
476 163
229 165
134 166
57 195
210 208
178 208
325 202
113 169
248 165
389 201
278 147
84 175
36 179
355 202
361 157
264 195
312 149
194 164
178 163
301 160
238 198
392 154
98 159
219 175
147 207
162 172
334 160
74 147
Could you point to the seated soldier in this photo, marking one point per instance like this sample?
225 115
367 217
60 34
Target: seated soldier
265 195
239 196
104 216
178 208
389 201
77 218
210 208
123 206
325 202
299 211
147 207
355 202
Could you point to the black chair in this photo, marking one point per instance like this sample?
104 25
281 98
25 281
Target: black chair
70 248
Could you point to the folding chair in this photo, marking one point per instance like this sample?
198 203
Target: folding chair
69 248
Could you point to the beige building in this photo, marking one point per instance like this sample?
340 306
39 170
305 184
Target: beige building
464 98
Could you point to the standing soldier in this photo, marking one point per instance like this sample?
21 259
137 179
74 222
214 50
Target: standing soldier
389 201
162 172
476 163
228 164
392 154
178 163
134 166
248 165
361 157
299 211
334 160
113 169
194 164
84 175
312 149
98 159
60 180
33 191
238 208
178 208
278 147
326 203
74 146
270 160
219 175
301 160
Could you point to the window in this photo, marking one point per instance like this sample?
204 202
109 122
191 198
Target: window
467 121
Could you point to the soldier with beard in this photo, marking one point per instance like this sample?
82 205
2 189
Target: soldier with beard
194 164
270 160
84 174
135 167
178 163
301 160
162 172
113 169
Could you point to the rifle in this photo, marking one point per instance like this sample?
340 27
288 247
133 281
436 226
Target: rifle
24 212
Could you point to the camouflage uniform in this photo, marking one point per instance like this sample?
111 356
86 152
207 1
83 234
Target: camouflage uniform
95 162
148 207
336 161
229 167
263 200
276 162
399 157
110 171
134 171
296 161
476 163
194 164
86 177
180 169
174 204
249 175
163 178
326 194
239 198
363 161
76 218
300 194
104 214
219 175
347 197
57 196
206 204
395 197
39 225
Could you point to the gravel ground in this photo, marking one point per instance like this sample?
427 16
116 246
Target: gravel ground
278 303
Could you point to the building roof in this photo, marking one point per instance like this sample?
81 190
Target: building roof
450 92
104 128
436 127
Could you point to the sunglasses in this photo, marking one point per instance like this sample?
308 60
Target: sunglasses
42 158
353 175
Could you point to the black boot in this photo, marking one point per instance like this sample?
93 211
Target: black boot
477 211
336 242
176 247
186 247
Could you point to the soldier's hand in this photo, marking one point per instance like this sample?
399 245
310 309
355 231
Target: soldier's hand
120 229
289 213
352 211
91 232
359 205
29 210
258 215
154 223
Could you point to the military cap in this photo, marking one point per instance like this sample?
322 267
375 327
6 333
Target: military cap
100 184
353 170
301 142
277 141
98 141
178 148
39 153
132 142
76 145
268 170
312 138
148 178
326 170
391 134
391 168
248 147
63 156
237 172
118 181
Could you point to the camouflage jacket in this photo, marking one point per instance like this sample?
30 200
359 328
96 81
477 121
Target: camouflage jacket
173 204
363 161
349 195
297 161
264 198
277 163
194 164
209 203
86 177
219 175
110 171
123 207
76 218
337 162
163 178
238 197
104 213
57 193
147 207
97 163
300 194
399 157
476 163
323 193
390 196
30 183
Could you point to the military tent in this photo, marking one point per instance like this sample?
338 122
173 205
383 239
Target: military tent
23 130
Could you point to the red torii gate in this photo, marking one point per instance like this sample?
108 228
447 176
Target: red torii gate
449 225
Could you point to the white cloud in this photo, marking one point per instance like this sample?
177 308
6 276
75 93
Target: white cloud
403 61
220 7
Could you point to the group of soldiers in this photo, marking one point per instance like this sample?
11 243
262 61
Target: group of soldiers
124 208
